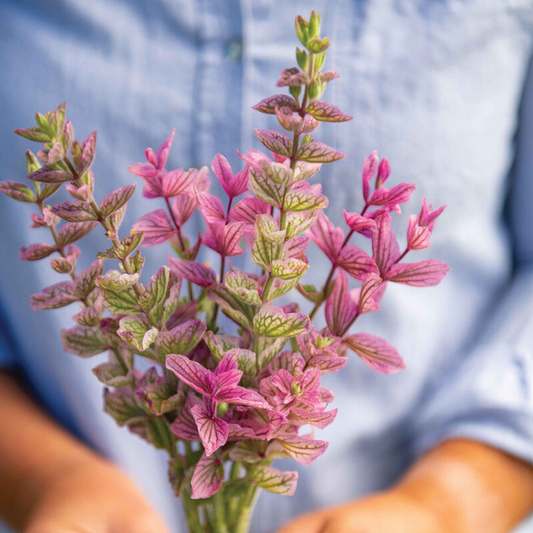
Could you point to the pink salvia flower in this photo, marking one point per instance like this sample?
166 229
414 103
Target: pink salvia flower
369 169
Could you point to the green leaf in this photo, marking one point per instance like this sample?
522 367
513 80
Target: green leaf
137 332
266 188
113 280
123 406
298 200
242 313
311 293
17 191
273 480
219 344
243 286
268 348
289 269
83 341
112 375
281 287
154 295
272 321
268 242
181 339
171 303
123 302
299 221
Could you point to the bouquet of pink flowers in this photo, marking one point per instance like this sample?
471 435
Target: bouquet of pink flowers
225 406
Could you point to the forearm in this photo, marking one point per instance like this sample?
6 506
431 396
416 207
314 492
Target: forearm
33 450
471 487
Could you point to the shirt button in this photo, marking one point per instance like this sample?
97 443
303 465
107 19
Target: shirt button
233 49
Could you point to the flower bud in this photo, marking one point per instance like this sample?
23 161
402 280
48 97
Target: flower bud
317 46
302 29
314 25
295 91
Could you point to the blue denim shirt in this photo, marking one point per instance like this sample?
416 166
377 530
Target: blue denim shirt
439 87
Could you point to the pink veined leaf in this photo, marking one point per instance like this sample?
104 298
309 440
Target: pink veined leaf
143 170
369 169
184 426
356 262
207 478
273 480
255 158
73 211
327 237
296 247
36 251
391 197
87 155
418 237
161 155
234 185
427 273
194 272
317 419
370 293
191 373
247 209
376 352
54 296
340 308
360 224
211 208
44 175
275 141
291 77
242 396
326 112
116 199
177 182
17 191
183 207
317 152
304 450
213 431
383 172
74 231
268 105
328 75
428 215
155 226
384 244
224 238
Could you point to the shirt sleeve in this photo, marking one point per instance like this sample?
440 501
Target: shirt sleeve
489 396
7 351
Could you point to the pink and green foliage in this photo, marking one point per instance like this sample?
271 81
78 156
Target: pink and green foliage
212 399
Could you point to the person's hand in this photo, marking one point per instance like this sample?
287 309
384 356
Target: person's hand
93 497
390 512
459 486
